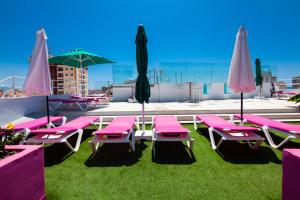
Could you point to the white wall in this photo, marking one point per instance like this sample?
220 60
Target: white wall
122 93
14 108
181 92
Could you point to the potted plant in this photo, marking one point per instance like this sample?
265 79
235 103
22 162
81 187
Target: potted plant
7 137
21 167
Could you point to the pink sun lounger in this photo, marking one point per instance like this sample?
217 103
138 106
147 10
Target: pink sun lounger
291 131
96 99
228 131
167 128
61 133
83 105
118 131
40 122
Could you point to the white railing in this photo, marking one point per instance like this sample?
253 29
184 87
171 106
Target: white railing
11 86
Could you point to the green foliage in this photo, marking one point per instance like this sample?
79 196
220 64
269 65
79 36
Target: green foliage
295 98
8 138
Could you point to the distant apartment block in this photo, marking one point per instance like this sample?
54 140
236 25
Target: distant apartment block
296 82
69 80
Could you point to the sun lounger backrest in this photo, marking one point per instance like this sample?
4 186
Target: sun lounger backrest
263 121
123 122
213 120
33 124
222 124
168 125
166 121
81 122
118 126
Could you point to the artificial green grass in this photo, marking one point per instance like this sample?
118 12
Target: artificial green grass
235 172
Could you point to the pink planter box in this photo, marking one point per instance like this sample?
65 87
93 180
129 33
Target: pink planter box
291 174
22 174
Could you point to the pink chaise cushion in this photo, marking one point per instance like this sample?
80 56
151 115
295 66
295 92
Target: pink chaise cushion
78 123
168 125
36 123
263 121
221 124
118 126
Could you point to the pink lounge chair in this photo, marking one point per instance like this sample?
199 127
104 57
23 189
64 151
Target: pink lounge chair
61 133
26 127
167 128
287 94
95 99
291 131
228 131
118 131
37 123
83 105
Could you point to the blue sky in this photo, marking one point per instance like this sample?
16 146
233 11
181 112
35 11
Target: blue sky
182 30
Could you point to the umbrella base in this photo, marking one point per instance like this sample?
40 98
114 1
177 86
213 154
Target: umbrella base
143 135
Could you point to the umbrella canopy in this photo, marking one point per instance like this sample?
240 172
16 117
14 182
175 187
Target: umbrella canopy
142 88
79 58
240 77
38 81
258 78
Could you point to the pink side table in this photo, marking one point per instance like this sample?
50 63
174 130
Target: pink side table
291 174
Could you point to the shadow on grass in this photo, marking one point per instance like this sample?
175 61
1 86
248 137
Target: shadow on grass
57 153
114 155
240 153
172 153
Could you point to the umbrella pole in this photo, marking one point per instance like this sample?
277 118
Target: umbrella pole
47 104
143 117
242 108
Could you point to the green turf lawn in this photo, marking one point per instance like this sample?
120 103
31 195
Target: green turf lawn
235 172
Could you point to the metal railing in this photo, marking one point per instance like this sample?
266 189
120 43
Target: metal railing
182 72
12 86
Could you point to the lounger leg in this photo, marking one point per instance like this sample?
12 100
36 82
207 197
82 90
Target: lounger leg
231 118
55 107
64 120
81 107
190 144
195 123
256 145
132 141
212 139
270 140
152 144
94 145
80 132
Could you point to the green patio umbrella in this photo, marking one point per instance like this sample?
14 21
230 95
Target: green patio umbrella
258 78
142 88
79 58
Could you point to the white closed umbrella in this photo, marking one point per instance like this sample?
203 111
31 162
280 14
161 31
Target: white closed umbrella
38 81
240 77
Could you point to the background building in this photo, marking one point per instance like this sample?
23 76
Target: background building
69 80
296 82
